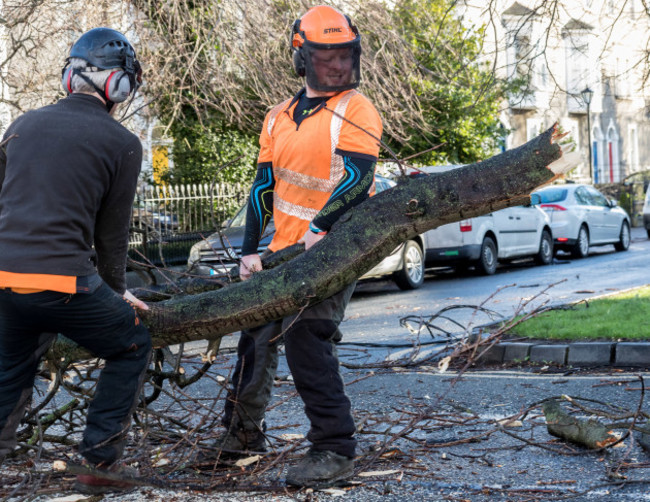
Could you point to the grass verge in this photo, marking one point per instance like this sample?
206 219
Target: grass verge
621 316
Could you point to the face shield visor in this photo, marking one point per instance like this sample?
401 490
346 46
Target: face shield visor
332 67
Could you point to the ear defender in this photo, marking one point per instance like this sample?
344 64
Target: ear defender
297 39
118 87
66 75
299 62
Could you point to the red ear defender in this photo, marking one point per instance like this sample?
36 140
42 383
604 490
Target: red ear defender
118 87
66 77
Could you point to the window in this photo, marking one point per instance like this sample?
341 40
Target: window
552 195
582 196
611 6
633 148
597 198
520 55
577 63
533 128
623 77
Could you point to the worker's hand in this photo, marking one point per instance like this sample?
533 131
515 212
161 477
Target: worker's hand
249 264
128 296
310 238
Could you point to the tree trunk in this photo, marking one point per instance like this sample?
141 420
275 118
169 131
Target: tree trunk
356 243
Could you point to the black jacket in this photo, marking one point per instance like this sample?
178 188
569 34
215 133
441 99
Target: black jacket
67 183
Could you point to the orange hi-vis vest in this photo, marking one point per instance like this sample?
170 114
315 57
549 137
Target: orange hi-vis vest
307 159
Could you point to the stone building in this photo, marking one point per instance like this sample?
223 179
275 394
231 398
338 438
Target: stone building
563 48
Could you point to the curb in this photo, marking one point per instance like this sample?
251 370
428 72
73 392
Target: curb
626 354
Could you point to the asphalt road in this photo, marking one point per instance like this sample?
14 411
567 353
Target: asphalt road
441 433
376 306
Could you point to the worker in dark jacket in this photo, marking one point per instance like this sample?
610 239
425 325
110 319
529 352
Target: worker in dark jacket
68 175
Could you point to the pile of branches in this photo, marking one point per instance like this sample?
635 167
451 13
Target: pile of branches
175 427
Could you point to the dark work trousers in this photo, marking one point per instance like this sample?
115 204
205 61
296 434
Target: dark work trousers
102 322
309 340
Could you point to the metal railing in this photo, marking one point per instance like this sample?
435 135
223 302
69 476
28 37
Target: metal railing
167 220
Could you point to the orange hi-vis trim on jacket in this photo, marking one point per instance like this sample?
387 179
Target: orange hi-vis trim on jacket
33 283
307 159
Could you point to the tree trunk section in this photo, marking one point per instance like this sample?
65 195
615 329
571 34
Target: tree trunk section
589 433
356 243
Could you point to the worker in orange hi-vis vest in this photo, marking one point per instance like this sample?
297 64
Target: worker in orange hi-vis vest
317 158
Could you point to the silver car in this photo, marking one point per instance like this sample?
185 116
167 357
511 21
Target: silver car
582 217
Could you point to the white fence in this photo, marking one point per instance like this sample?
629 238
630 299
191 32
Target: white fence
185 208
168 219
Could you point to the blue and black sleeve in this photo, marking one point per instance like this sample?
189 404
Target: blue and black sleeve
260 208
350 191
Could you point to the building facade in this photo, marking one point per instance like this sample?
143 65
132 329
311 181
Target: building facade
562 48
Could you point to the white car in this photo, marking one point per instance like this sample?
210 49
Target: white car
504 235
507 234
582 217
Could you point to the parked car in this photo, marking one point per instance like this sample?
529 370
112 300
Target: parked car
153 219
504 235
646 212
217 254
582 217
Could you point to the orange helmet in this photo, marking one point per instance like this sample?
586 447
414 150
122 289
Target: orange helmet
323 28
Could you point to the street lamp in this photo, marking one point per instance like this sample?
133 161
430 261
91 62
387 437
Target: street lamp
587 94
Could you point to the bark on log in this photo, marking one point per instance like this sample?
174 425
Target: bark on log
356 243
589 433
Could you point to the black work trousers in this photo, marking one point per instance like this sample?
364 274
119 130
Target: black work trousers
102 322
309 341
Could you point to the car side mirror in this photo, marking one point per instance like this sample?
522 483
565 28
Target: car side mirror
535 199
612 203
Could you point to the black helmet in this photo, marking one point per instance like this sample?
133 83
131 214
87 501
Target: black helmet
104 48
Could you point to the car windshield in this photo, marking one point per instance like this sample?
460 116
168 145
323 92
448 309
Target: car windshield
552 195
239 220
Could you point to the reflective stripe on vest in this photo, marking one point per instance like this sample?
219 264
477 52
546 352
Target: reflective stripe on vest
312 182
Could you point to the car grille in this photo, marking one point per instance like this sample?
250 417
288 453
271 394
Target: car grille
222 256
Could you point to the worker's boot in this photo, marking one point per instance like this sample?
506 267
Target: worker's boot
320 469
96 481
234 444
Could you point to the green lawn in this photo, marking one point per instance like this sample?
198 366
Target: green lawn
622 316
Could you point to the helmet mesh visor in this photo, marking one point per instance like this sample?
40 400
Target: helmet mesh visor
332 69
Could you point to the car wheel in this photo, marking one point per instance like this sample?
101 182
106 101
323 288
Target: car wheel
487 263
411 275
545 254
648 231
624 238
581 248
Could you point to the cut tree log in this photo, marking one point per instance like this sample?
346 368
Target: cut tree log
356 243
589 433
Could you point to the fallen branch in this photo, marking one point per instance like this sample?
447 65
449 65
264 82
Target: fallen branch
589 433
357 242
